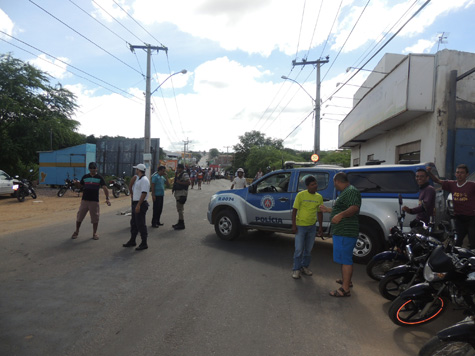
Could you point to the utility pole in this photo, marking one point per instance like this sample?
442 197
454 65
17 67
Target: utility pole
147 156
185 144
316 140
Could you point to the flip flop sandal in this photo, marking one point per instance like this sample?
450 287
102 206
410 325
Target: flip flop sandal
95 237
339 281
75 235
340 292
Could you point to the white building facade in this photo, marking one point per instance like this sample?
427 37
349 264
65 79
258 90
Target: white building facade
415 108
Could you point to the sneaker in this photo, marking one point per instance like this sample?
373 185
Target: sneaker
306 271
296 274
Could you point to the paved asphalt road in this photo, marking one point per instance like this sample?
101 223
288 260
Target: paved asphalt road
188 294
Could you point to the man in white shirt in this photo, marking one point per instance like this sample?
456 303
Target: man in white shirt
140 190
239 182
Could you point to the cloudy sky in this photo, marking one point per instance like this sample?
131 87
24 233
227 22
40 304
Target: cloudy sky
234 51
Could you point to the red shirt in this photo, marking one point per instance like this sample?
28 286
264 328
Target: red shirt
464 196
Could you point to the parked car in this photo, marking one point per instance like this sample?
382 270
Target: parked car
267 203
6 183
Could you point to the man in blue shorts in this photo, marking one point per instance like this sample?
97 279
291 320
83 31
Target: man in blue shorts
345 228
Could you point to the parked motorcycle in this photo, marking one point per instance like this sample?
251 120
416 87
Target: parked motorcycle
118 186
70 184
458 339
23 187
450 276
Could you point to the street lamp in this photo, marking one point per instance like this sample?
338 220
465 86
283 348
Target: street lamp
316 139
147 156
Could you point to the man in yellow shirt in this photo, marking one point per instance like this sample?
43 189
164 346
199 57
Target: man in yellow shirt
305 211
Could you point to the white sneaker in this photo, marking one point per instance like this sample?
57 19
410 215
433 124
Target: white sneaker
306 271
296 274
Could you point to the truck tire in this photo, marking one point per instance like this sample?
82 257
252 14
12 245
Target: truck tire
227 225
369 244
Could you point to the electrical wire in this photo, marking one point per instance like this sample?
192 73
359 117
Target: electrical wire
70 65
331 29
87 39
300 31
314 29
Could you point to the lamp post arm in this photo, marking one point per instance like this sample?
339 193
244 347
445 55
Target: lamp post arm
292 80
184 71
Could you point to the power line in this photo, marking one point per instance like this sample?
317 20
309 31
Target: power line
87 39
300 31
314 29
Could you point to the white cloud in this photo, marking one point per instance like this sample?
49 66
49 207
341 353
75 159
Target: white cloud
55 67
6 25
104 8
422 46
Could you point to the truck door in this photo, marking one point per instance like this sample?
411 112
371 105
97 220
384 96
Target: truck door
270 203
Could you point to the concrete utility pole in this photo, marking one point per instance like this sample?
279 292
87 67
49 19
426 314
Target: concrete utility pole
316 141
185 144
147 156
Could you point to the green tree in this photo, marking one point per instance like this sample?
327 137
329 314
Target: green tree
34 116
247 142
214 152
338 157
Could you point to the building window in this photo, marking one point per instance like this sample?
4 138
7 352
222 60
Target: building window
370 157
409 153
356 162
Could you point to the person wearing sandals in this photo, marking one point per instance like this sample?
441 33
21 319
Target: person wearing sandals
91 184
345 230
305 211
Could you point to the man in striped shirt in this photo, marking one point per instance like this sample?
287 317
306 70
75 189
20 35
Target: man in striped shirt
345 229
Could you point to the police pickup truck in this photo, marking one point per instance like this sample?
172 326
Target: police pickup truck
266 204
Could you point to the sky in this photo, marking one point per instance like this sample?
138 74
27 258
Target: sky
235 53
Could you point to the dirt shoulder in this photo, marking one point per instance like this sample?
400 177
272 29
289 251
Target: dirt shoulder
48 209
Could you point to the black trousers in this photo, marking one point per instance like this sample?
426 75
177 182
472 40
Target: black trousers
465 225
137 222
157 209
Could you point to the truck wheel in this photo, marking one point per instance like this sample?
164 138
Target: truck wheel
368 244
227 225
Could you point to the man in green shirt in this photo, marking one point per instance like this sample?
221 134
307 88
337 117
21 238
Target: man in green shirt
304 217
345 226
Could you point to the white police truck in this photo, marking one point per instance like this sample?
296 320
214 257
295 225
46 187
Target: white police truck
266 204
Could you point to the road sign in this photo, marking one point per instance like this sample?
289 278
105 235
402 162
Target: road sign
314 157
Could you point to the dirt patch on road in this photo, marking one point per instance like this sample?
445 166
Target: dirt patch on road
47 209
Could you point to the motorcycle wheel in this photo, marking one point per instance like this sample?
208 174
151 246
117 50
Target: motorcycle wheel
20 195
61 191
391 286
406 311
126 191
33 193
376 269
115 192
435 346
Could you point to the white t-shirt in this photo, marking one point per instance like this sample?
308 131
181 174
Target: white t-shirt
141 185
239 183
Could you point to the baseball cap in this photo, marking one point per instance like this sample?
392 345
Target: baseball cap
140 167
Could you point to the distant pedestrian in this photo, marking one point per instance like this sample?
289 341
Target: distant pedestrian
463 195
199 177
139 192
345 229
159 179
91 184
180 191
239 182
306 210
259 174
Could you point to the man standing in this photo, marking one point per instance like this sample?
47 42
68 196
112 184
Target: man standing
344 217
426 207
140 189
91 184
304 217
463 195
239 181
180 190
158 192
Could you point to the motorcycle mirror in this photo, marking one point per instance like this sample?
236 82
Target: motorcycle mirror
400 199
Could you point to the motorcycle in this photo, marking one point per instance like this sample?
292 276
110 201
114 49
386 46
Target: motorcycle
23 187
458 339
118 186
450 276
70 184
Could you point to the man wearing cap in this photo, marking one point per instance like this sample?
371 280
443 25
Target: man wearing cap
139 192
180 191
91 184
239 182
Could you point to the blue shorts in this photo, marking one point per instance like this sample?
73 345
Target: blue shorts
343 249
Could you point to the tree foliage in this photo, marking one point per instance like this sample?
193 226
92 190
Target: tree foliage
34 116
214 152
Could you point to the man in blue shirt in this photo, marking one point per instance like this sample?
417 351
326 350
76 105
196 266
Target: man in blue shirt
158 192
